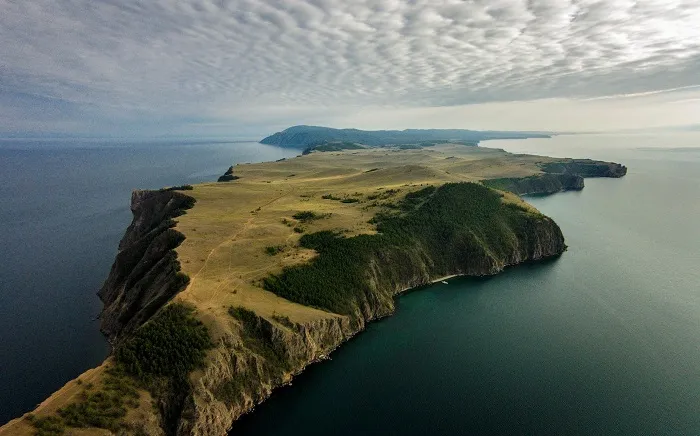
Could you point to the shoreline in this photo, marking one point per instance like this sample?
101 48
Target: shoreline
441 279
261 205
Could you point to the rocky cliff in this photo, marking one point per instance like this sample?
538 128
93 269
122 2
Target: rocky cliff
585 168
559 175
268 314
254 355
146 272
263 354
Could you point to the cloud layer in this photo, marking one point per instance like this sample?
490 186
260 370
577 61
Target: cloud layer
202 60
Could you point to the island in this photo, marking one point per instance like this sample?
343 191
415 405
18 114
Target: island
222 292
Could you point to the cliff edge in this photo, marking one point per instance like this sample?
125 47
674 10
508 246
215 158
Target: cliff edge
146 273
222 292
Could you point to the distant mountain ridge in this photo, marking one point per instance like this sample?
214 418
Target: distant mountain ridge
306 136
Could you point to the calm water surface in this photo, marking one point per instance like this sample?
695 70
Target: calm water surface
64 208
605 340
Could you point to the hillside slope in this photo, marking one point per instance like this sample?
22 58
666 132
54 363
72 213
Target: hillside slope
303 137
285 262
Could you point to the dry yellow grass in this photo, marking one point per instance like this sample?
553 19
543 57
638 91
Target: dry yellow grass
232 223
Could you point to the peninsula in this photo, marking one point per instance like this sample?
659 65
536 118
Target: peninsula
311 136
222 292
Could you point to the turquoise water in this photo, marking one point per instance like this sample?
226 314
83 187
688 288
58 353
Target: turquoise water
605 340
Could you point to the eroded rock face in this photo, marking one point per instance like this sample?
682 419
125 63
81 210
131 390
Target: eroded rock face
146 272
557 176
250 361
237 376
235 363
585 168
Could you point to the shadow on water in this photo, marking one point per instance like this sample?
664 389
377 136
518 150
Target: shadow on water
329 375
602 340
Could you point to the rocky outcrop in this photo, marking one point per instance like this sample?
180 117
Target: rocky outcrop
585 168
266 353
557 176
244 371
146 272
228 176
254 355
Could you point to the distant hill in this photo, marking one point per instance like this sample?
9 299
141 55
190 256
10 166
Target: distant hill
306 136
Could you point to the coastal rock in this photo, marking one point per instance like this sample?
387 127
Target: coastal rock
538 184
559 175
146 272
214 407
238 376
228 176
261 341
585 168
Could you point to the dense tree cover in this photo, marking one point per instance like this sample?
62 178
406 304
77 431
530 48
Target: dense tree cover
445 228
308 216
170 345
509 183
537 184
585 168
332 146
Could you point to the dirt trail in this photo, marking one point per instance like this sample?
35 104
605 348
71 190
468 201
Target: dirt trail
229 240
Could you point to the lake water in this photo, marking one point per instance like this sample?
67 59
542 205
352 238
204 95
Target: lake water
64 208
603 341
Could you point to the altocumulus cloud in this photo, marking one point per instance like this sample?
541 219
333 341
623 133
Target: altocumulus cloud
86 64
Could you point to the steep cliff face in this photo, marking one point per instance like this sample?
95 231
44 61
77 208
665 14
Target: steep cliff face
145 273
250 363
557 176
585 168
246 368
262 354
255 355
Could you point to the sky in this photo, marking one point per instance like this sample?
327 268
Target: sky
248 68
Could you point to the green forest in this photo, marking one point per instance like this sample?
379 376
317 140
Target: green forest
453 227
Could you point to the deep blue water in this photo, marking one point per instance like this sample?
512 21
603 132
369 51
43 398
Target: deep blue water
64 206
604 340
